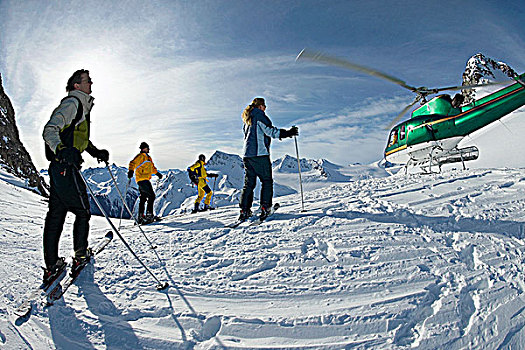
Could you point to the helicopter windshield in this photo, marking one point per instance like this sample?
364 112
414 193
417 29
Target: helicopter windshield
393 137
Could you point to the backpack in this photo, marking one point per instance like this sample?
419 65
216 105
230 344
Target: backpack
66 135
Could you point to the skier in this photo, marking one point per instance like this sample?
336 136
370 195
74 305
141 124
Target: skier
197 173
143 167
258 131
66 136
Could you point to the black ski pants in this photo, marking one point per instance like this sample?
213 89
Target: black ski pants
257 167
68 194
146 195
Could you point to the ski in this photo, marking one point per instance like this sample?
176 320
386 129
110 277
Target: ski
38 294
238 222
152 220
203 210
272 211
235 224
61 288
254 219
149 221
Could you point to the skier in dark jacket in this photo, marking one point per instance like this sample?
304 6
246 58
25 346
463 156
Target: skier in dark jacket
66 136
258 132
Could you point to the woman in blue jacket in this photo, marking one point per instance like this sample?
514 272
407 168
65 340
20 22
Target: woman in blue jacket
258 132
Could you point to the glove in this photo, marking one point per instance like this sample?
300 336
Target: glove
293 131
159 175
130 174
102 155
68 155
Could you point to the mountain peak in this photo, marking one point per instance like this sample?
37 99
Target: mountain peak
220 159
288 164
482 69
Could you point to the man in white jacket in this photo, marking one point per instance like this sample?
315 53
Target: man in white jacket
66 136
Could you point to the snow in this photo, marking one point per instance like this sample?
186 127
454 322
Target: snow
377 262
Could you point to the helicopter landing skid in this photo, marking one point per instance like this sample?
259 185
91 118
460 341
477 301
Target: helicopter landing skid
460 155
455 155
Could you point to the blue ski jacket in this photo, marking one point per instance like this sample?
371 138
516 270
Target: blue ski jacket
258 135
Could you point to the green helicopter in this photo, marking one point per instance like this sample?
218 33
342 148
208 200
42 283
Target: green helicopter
432 134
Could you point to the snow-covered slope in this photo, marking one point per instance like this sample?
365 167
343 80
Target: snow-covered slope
426 262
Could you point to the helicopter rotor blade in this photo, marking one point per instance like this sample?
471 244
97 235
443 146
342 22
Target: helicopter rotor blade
422 92
469 87
402 113
335 61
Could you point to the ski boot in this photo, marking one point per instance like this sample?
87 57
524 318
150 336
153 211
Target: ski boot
149 218
51 273
265 211
80 261
195 209
245 214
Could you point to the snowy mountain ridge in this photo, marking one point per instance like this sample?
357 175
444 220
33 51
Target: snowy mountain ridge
175 193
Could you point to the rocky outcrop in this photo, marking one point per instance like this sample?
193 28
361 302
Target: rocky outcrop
479 70
13 156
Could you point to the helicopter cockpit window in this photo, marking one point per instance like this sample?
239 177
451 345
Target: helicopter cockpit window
393 137
402 132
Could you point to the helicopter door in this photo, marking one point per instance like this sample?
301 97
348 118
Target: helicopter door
402 132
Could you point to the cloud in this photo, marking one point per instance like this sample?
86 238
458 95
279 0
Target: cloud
355 135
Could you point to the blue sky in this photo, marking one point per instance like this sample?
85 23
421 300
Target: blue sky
177 74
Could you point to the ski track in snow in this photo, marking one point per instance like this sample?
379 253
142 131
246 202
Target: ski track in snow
424 261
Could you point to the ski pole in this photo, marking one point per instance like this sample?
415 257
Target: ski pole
213 191
129 211
122 210
300 177
157 185
160 285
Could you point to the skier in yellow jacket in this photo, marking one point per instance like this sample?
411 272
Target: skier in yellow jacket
198 175
143 167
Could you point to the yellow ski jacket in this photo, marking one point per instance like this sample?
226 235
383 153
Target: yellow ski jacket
200 170
143 167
